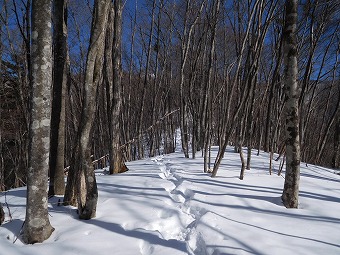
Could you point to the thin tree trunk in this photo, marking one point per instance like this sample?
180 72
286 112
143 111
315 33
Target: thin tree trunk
271 161
145 83
207 106
228 129
243 166
186 42
108 79
2 149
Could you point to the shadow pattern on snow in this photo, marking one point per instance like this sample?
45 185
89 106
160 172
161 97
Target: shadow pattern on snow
150 236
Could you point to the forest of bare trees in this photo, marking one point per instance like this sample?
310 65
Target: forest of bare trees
128 76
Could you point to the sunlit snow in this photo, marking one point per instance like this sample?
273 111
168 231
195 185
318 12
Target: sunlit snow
166 205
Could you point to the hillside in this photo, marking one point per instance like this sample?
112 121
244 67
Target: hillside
166 205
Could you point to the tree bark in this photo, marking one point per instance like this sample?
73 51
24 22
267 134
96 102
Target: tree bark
82 162
116 161
60 72
37 227
207 105
291 186
2 163
87 208
2 214
336 146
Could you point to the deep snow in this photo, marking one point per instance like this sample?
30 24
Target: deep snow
166 205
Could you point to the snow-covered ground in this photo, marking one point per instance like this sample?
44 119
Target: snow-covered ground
167 206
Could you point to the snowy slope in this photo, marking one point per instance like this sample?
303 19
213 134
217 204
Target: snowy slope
167 206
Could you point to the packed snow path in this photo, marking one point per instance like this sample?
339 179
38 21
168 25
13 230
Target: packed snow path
181 197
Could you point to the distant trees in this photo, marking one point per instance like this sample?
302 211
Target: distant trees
37 227
14 92
241 96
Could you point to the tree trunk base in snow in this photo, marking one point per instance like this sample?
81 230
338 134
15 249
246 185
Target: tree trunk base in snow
289 202
88 211
2 214
32 235
118 167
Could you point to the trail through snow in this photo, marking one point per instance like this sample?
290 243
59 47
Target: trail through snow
181 197
166 205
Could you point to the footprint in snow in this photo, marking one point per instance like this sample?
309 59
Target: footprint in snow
146 248
87 233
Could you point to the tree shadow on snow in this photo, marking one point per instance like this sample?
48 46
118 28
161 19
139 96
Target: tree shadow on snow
15 227
153 237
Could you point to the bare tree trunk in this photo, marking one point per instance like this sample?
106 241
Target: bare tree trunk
127 90
2 91
243 164
290 193
155 137
82 162
37 227
229 125
145 83
239 143
116 162
332 118
87 208
60 73
207 105
186 42
271 154
336 150
108 78
2 214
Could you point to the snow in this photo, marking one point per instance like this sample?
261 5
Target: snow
166 205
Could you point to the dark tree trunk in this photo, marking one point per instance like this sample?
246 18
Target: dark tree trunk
60 72
336 151
2 214
2 149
